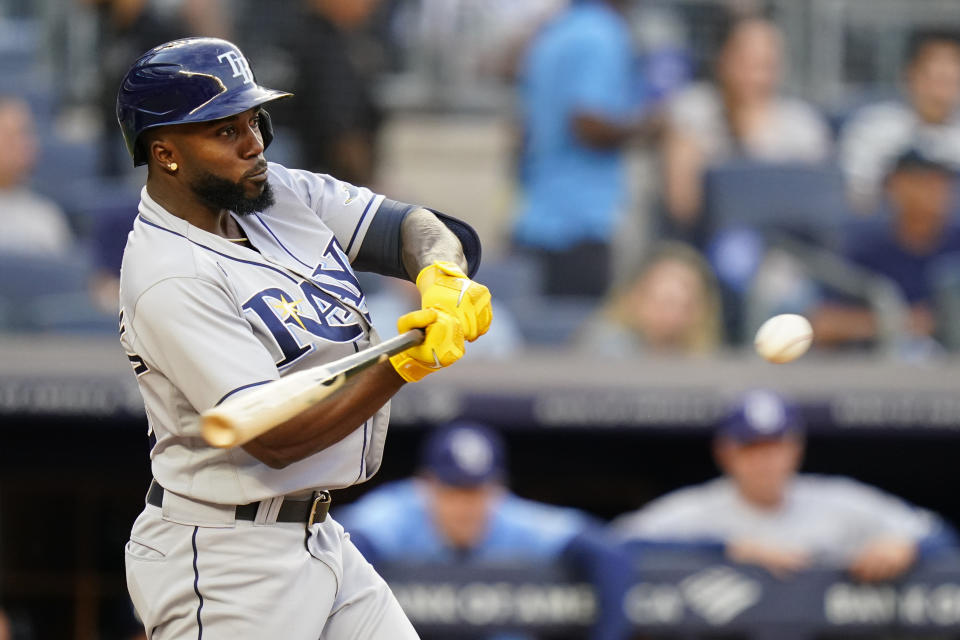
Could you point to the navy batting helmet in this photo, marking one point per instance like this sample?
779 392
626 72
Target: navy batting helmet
188 80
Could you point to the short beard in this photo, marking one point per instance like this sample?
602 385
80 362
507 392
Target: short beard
223 194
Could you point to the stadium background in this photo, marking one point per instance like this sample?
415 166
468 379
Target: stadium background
603 436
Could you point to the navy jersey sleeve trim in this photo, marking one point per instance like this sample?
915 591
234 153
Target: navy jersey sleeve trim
356 230
220 253
280 242
239 389
382 249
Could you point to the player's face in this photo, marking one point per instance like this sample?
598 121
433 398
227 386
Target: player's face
461 514
222 162
761 470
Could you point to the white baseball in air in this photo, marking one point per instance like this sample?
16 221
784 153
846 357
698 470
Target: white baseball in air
783 338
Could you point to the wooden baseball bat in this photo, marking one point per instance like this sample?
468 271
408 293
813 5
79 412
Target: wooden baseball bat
242 418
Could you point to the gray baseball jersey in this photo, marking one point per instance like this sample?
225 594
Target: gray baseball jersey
829 517
203 318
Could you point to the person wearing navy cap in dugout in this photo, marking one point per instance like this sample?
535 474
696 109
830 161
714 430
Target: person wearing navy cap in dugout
458 508
762 511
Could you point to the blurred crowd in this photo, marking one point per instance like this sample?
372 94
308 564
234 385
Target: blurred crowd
669 195
669 192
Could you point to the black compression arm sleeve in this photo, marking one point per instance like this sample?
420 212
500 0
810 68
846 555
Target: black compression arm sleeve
382 248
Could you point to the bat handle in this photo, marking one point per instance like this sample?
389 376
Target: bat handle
410 339
402 342
247 416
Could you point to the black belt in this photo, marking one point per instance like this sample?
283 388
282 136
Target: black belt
307 512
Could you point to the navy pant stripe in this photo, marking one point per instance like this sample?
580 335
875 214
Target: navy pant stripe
196 585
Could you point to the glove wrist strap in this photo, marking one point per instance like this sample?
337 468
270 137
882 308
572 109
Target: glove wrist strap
444 267
409 368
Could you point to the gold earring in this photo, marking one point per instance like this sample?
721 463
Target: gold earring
172 166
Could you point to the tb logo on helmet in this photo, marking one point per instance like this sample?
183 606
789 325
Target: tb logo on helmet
238 64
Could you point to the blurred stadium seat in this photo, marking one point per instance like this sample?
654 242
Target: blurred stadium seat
517 282
551 320
20 45
38 93
750 203
801 199
6 313
94 198
48 294
946 285
512 277
62 166
838 114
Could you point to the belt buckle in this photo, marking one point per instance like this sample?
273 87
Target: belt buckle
319 507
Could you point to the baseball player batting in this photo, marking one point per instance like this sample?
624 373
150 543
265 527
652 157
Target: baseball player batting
239 272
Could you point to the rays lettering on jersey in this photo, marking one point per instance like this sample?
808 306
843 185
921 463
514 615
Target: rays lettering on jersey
334 274
290 319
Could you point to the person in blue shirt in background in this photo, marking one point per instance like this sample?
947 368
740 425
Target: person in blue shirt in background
458 509
579 108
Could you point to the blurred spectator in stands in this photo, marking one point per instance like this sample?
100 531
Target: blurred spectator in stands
578 111
926 119
5 632
459 510
512 25
763 512
740 115
128 28
211 18
670 305
454 40
30 222
335 114
904 247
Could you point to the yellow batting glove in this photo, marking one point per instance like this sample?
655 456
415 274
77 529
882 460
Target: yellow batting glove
444 286
441 347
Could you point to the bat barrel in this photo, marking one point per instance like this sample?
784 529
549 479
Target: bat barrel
218 430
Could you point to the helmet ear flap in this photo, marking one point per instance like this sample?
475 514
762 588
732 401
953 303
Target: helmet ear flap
266 128
139 153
